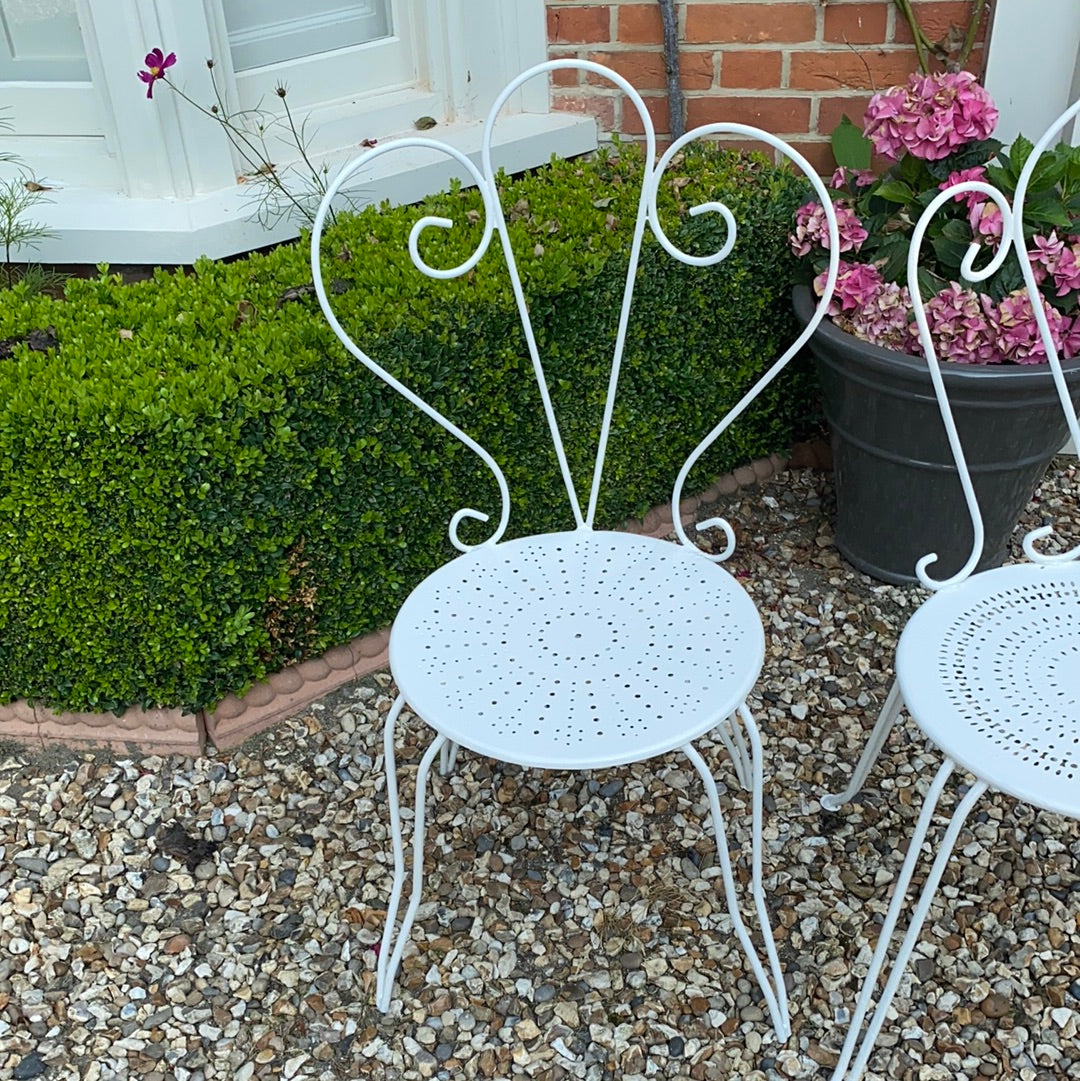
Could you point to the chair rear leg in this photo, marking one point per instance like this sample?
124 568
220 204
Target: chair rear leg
773 990
886 719
448 758
730 735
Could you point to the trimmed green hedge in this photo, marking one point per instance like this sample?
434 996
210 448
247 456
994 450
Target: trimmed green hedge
198 485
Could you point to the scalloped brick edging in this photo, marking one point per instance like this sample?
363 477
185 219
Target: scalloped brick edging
161 731
292 689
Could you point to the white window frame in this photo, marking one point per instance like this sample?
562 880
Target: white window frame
286 25
165 188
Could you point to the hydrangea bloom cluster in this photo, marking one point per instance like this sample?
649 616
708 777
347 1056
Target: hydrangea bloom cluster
866 305
812 229
936 130
966 327
930 117
1052 258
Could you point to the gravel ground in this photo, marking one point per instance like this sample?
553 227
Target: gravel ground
214 917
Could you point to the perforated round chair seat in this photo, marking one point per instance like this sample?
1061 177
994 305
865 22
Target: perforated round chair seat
577 650
990 671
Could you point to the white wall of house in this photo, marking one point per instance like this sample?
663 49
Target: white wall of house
1033 63
154 181
1033 69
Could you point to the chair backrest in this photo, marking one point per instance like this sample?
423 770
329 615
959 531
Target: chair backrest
647 216
1012 241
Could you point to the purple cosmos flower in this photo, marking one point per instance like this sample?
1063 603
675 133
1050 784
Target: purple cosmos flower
156 62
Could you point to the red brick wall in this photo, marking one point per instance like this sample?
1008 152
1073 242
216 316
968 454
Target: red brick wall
793 67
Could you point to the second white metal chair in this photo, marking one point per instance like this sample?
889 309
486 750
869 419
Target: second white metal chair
988 667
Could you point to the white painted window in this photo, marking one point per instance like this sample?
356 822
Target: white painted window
40 40
140 180
263 32
323 50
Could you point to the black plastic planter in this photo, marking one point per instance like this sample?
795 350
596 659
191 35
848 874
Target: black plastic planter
897 491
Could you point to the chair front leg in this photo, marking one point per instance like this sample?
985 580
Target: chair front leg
918 918
392 947
886 719
774 991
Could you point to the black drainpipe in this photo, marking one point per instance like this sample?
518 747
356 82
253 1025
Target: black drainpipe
670 19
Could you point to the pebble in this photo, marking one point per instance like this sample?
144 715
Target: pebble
571 926
30 1066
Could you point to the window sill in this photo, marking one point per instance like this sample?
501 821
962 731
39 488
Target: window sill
97 226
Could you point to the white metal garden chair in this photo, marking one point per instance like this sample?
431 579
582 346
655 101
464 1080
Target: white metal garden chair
988 667
581 649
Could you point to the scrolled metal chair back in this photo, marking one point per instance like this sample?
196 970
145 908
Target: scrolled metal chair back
647 216
1012 240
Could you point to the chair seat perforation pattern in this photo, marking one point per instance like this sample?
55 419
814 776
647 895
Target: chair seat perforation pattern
991 671
578 649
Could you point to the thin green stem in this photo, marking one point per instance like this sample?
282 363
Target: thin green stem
317 180
256 159
972 33
921 42
297 139
924 46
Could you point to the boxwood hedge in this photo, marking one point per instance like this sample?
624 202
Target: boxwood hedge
198 485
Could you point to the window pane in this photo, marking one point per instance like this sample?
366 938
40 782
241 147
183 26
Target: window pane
40 40
265 32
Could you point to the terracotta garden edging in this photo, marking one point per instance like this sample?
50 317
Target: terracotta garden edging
289 691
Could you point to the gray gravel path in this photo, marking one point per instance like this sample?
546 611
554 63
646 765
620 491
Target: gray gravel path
206 918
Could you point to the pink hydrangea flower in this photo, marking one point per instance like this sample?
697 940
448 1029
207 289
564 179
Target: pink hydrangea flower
856 285
961 176
1016 331
985 221
1066 270
884 318
812 228
862 178
1045 255
1070 338
930 117
961 327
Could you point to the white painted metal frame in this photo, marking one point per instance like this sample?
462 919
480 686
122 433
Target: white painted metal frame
426 650
988 666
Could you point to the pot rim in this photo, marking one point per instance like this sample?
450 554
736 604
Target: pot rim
876 356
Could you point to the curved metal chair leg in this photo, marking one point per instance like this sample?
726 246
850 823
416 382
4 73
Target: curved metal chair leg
448 758
774 991
393 946
886 719
727 730
918 918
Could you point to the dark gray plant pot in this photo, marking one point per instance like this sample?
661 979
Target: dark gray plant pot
897 491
